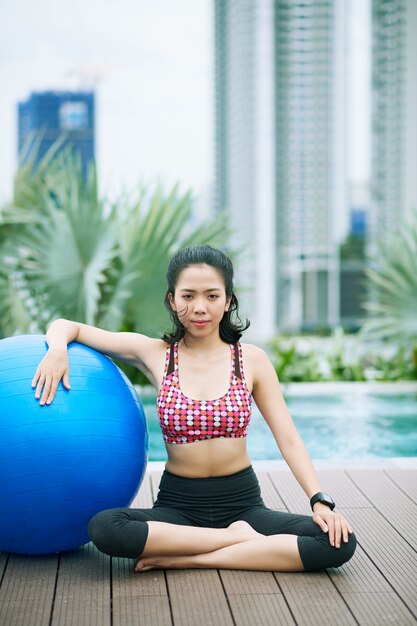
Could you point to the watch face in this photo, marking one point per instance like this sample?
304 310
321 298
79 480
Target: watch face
326 498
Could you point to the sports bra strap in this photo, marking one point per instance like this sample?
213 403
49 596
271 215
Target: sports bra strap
171 364
237 369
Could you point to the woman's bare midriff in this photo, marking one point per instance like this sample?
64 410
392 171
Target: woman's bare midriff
210 457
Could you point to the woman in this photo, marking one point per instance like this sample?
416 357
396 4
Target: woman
209 511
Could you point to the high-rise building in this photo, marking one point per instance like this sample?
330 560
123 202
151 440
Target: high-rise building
245 148
311 206
47 116
353 262
280 154
394 116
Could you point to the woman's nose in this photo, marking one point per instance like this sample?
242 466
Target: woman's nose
200 305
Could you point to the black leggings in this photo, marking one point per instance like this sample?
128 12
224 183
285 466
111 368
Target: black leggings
214 502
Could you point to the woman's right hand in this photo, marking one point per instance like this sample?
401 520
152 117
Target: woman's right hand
53 367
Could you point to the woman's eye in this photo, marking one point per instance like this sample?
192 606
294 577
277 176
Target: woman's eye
213 296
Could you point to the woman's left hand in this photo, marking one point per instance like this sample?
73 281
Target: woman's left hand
333 523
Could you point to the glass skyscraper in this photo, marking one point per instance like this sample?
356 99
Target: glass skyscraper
280 155
394 115
50 115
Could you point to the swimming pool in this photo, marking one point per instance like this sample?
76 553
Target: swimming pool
333 427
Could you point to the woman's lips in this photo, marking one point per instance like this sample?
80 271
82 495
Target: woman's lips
200 324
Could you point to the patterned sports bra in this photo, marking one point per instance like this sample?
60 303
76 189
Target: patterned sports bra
184 420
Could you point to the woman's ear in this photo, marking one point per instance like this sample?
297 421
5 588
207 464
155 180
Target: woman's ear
171 301
228 300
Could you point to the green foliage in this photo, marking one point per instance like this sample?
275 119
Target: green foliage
399 366
291 364
340 366
392 275
294 362
353 248
66 252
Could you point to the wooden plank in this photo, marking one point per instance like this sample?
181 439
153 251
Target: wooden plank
269 493
27 591
269 610
155 480
197 597
344 492
359 575
406 480
238 582
255 598
143 499
336 483
83 588
3 564
139 599
368 594
393 556
290 492
388 498
313 599
379 609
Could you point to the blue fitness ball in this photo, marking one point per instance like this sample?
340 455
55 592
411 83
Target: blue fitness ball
62 463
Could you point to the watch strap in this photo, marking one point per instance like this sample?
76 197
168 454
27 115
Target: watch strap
324 499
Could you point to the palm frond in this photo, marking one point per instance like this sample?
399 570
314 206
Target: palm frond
393 278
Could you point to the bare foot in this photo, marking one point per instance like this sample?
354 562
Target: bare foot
244 531
146 563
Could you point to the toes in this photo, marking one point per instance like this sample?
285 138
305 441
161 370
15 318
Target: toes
143 569
141 566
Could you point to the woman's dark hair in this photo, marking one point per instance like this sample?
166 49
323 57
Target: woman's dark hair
231 326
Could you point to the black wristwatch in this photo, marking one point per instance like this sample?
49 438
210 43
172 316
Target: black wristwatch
324 498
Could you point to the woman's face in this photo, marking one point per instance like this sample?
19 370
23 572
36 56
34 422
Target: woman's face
200 299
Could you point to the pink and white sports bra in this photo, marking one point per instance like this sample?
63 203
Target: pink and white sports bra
184 420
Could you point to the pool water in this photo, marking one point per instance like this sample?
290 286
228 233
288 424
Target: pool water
332 427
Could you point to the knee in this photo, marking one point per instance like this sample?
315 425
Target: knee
117 532
317 553
343 554
336 557
101 529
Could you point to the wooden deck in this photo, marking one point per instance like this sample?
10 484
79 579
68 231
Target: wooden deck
377 587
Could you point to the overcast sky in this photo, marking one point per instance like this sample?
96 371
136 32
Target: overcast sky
152 61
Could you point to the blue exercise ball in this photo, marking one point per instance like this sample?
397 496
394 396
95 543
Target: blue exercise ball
62 463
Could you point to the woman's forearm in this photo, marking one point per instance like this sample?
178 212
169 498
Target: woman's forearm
61 332
301 465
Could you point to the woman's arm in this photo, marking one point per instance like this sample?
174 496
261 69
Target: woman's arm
129 347
134 348
270 401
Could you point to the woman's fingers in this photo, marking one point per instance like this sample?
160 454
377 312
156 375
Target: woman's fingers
39 386
52 368
48 386
36 378
320 522
66 380
336 526
337 533
46 390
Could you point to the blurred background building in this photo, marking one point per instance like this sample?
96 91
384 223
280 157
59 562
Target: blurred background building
280 155
394 115
245 148
47 116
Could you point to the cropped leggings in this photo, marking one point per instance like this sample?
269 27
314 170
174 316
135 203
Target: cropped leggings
214 502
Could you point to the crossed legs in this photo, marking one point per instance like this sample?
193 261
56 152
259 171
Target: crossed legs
239 546
262 539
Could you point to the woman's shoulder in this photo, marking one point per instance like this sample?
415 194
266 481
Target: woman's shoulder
254 353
